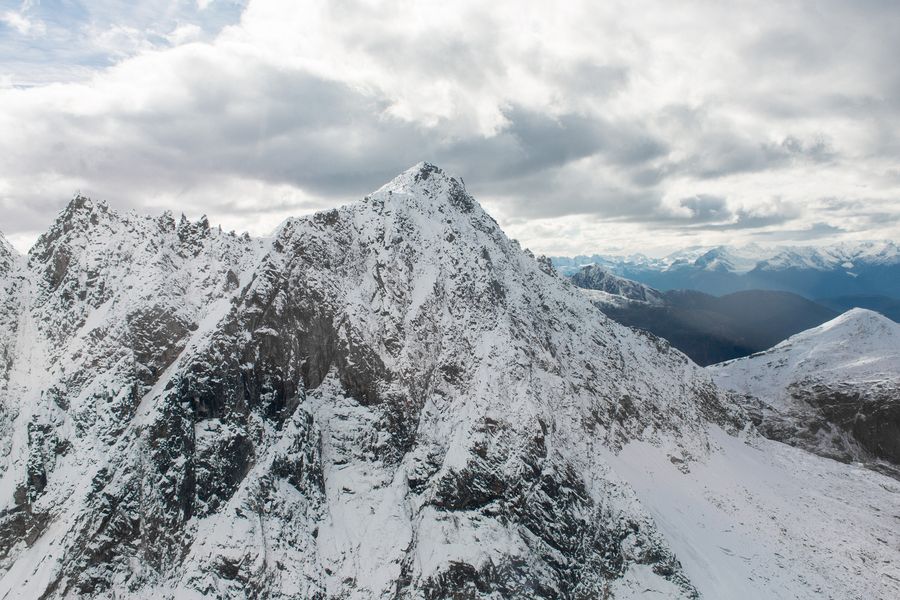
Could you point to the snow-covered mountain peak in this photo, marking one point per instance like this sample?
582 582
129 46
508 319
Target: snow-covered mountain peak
397 363
429 185
81 211
859 343
83 222
856 324
736 259
84 204
859 330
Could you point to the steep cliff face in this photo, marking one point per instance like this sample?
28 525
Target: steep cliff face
387 400
11 307
833 389
8 255
108 301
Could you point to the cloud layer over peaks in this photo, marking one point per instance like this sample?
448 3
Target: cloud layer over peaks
582 127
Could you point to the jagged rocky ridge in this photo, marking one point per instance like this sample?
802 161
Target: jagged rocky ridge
833 389
387 400
605 288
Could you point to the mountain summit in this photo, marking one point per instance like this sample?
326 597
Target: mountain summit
390 399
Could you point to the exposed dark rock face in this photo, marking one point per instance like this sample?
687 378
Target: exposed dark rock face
10 306
846 422
871 414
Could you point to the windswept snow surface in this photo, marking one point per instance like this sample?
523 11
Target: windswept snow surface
759 519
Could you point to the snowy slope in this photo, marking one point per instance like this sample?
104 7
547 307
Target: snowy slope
386 400
840 381
760 519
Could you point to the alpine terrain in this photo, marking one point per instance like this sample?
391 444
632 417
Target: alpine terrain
709 329
833 389
387 400
605 288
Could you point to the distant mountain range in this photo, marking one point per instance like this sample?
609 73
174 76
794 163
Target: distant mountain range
808 376
870 269
707 328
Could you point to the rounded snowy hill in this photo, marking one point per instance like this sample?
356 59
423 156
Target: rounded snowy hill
834 389
859 346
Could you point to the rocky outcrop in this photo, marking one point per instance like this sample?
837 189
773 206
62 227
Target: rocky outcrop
10 306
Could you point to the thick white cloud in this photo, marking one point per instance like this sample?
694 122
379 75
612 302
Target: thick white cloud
583 127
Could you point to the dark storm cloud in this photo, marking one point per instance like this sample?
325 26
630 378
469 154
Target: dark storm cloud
260 121
565 192
723 153
533 142
328 139
862 211
704 208
790 49
29 211
744 219
588 78
813 232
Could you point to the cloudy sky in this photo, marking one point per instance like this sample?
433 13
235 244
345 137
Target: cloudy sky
582 126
